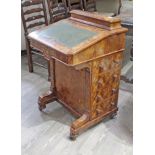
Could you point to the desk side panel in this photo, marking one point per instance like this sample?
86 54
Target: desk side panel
72 87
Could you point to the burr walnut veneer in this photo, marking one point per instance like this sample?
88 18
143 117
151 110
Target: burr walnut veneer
85 53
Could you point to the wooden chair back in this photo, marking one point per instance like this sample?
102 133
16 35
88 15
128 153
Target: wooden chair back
75 4
57 10
109 6
33 14
89 5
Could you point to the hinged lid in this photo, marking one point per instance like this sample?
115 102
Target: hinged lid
70 36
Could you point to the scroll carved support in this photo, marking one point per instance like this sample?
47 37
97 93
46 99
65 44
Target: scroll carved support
78 125
49 96
45 99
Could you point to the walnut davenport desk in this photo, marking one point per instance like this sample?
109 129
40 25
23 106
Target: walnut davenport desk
85 53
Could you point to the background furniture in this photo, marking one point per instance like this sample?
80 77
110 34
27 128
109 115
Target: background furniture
23 45
57 10
75 4
109 6
130 33
126 16
34 16
89 5
90 57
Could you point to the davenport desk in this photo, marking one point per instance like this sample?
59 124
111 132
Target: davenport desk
85 53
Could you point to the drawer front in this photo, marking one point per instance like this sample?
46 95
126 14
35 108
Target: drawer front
106 79
106 105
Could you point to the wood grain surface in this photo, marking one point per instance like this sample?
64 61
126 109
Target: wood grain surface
86 77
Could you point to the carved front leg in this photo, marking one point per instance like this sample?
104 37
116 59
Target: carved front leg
78 125
50 95
45 99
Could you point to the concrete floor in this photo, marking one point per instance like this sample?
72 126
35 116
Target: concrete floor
47 133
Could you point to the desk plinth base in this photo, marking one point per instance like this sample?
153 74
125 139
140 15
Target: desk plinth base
82 123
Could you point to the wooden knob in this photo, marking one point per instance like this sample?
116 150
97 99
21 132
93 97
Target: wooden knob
114 90
117 62
112 103
99 111
115 76
98 98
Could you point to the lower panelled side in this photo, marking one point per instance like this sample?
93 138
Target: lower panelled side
72 88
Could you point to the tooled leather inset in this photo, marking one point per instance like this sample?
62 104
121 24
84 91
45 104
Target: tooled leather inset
105 83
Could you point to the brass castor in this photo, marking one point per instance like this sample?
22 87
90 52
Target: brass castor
73 137
113 116
41 107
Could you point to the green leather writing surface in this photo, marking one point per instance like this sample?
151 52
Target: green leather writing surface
66 33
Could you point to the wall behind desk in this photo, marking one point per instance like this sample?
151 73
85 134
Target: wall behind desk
107 6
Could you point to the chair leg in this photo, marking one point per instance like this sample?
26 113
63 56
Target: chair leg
120 5
49 72
29 56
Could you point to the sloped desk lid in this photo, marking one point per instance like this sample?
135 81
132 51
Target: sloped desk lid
63 33
72 35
